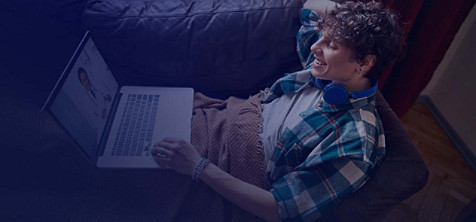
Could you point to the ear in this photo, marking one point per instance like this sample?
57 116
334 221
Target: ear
368 62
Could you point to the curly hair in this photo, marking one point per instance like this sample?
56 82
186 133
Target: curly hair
367 29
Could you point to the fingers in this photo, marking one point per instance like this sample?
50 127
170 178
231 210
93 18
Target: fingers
165 145
172 147
178 141
177 154
162 156
173 143
171 139
160 151
163 151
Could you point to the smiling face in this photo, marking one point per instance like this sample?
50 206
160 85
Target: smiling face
334 62
369 30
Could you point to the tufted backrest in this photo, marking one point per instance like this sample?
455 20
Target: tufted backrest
220 47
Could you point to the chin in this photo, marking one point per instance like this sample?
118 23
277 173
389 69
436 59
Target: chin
318 75
314 73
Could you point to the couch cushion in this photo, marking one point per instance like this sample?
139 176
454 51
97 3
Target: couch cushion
220 48
401 174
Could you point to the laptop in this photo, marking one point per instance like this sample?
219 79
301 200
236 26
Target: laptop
116 126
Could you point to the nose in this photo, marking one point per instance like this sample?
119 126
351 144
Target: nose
317 46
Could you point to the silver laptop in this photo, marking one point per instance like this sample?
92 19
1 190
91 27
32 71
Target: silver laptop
116 126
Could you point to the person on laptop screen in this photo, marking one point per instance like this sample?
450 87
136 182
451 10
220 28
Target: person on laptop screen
321 133
100 100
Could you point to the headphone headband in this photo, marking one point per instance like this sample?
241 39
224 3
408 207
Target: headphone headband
336 93
365 92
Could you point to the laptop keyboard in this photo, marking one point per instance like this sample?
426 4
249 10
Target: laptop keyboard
136 126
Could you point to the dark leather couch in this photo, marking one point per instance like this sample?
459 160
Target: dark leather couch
221 48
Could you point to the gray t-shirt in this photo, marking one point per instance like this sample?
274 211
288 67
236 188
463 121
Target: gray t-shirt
284 112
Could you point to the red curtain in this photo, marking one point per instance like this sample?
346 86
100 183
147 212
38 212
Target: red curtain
430 26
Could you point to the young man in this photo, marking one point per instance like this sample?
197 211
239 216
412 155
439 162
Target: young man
321 132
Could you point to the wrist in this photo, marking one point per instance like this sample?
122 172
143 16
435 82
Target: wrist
199 168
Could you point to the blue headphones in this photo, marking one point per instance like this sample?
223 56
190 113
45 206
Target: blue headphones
336 93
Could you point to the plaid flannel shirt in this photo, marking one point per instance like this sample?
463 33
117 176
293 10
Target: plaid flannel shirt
330 152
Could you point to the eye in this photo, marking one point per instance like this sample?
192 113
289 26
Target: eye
332 45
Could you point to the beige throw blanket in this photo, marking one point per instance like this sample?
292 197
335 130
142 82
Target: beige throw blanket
225 132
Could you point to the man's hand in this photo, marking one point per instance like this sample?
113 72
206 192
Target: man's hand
179 155
183 158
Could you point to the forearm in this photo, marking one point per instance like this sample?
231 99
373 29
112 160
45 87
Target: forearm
320 6
251 198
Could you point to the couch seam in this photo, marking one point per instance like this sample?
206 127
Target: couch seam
190 15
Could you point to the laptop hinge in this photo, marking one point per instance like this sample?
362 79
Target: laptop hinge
108 126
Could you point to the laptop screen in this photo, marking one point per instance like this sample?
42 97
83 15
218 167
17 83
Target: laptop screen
83 97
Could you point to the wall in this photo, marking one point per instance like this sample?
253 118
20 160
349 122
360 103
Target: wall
452 89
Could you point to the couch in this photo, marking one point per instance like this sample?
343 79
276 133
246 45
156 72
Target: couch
220 48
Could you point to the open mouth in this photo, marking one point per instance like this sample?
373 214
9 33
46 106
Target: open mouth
319 66
320 63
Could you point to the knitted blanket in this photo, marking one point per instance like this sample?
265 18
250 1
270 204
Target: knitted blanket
225 132
47 179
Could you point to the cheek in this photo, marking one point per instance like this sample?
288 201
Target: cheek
343 62
339 59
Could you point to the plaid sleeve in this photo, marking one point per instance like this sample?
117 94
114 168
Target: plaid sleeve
287 84
306 195
307 35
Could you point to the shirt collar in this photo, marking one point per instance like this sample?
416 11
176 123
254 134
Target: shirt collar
350 104
298 81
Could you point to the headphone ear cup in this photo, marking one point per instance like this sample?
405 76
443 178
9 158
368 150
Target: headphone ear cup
336 93
320 83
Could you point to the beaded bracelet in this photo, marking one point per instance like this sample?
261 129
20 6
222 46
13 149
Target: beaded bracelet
199 168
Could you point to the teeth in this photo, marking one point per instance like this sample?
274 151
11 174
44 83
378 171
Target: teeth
320 63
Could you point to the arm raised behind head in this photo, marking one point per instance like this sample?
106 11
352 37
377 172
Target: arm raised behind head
320 6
